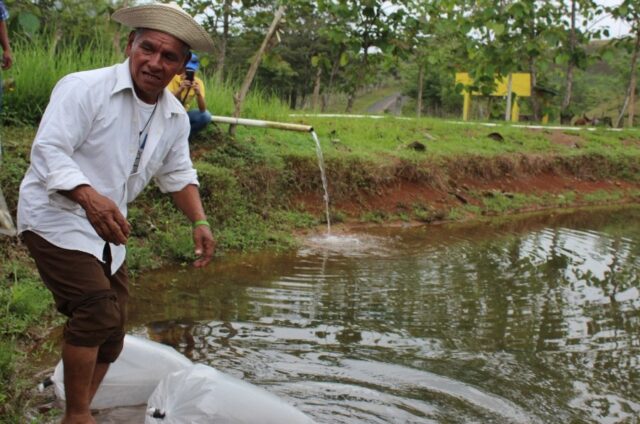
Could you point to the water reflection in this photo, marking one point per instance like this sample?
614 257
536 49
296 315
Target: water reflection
530 320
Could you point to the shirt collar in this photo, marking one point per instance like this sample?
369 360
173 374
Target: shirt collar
124 81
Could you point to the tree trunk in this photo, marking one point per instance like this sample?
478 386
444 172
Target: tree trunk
226 16
565 115
536 109
316 90
334 71
632 82
116 34
293 99
420 88
632 100
238 98
350 99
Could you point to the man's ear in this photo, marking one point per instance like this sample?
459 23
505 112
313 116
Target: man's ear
132 36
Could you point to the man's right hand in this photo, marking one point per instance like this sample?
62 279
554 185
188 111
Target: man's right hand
103 214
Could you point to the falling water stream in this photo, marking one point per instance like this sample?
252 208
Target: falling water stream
323 175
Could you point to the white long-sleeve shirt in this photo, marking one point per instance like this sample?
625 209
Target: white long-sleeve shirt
89 134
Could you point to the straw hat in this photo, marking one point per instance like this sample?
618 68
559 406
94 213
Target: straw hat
169 18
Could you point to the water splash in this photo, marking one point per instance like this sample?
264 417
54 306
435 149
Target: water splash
324 179
345 245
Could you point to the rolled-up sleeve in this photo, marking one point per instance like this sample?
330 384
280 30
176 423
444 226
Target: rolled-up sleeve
64 127
177 169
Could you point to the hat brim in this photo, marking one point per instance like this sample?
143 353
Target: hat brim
166 18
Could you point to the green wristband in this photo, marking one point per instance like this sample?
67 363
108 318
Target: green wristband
201 222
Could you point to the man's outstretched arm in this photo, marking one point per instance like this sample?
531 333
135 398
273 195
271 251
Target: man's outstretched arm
188 201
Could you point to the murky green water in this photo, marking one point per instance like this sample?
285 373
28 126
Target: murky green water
533 320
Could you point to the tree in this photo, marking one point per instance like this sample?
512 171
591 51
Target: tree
574 41
219 17
238 98
64 21
629 11
363 26
435 42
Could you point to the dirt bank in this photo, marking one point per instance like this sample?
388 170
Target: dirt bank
467 187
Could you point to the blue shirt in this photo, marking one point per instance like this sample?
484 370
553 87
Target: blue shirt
4 13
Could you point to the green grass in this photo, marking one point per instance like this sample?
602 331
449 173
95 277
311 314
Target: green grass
375 139
25 305
603 196
38 65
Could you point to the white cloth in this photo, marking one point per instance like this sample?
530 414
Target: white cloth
89 135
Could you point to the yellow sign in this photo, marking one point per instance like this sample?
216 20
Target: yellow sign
520 84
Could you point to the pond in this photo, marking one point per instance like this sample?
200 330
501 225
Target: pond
526 320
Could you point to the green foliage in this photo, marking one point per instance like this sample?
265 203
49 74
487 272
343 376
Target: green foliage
25 303
142 256
7 354
426 213
503 202
38 65
258 104
603 196
377 217
177 244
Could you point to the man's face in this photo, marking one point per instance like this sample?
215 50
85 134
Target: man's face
154 58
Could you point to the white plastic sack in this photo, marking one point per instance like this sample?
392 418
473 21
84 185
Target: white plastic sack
203 395
133 376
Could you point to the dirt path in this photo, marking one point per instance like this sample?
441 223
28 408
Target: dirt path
391 103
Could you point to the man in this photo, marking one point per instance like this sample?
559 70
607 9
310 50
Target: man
187 87
103 136
7 59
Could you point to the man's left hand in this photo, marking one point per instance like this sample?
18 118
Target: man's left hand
205 245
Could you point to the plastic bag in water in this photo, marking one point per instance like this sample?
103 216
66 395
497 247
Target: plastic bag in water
133 376
201 395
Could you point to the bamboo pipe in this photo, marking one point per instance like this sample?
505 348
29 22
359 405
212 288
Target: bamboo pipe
261 123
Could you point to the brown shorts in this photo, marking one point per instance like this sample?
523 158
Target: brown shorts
85 291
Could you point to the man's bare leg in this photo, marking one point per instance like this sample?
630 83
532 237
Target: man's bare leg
79 366
98 374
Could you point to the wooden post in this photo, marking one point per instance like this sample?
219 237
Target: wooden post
466 107
515 111
420 88
238 98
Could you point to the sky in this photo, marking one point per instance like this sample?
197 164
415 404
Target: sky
617 28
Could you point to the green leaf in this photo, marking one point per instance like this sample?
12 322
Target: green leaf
344 59
315 60
29 22
497 28
607 55
562 59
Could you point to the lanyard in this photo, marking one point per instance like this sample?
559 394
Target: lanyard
136 162
142 141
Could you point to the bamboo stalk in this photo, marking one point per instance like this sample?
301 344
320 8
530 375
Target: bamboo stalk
262 124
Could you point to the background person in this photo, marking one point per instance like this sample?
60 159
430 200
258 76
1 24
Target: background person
104 135
187 87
